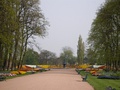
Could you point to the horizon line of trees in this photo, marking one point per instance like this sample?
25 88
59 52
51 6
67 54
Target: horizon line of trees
46 57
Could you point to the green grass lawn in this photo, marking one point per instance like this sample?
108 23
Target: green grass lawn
101 84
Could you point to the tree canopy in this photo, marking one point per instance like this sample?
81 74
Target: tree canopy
67 56
31 57
47 57
104 37
20 20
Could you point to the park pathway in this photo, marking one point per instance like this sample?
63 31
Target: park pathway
55 79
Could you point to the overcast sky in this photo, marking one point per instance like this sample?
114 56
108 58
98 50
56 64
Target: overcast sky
68 19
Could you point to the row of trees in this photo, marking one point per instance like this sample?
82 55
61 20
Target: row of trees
47 57
20 20
104 37
66 56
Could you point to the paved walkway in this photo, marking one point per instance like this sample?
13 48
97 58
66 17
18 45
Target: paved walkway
55 79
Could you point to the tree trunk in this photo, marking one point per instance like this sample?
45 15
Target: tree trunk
5 59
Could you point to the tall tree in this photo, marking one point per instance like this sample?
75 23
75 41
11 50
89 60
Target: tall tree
104 37
8 26
20 20
32 24
80 51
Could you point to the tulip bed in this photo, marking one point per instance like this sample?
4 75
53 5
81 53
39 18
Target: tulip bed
13 74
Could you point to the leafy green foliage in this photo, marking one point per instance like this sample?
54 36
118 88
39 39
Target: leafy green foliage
104 37
67 56
31 57
47 57
20 20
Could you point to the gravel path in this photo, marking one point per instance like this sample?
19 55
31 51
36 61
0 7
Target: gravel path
55 79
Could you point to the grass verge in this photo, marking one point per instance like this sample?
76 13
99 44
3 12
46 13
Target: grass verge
101 84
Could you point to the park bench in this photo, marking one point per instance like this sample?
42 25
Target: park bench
84 77
2 78
78 70
110 88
